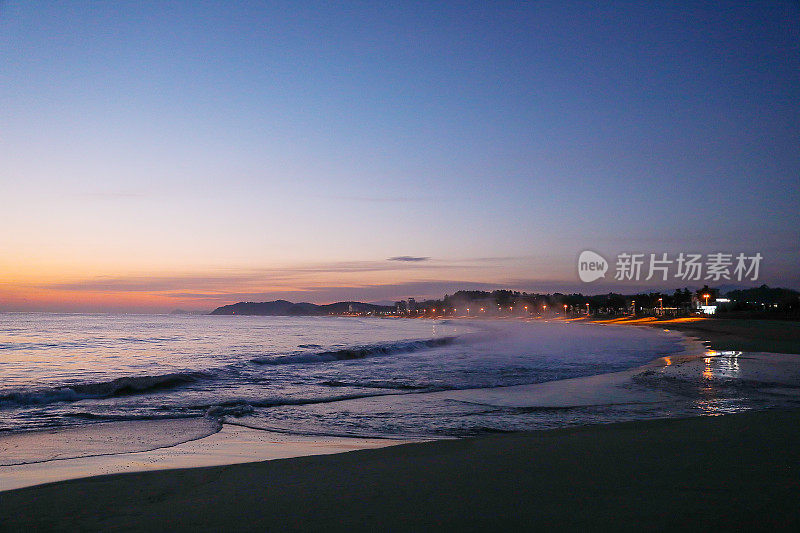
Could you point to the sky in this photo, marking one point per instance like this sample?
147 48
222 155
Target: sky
162 155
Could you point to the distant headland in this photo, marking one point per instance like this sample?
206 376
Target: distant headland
286 308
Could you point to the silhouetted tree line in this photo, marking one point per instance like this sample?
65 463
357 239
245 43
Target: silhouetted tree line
763 300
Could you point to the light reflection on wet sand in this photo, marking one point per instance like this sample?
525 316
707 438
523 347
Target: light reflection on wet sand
728 381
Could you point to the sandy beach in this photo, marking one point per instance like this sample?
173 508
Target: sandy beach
727 471
777 336
230 445
748 335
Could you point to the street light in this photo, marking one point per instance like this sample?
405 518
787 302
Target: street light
565 310
706 296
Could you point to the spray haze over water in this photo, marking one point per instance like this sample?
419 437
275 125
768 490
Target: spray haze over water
65 370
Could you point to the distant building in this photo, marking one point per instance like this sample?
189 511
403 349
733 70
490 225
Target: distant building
705 301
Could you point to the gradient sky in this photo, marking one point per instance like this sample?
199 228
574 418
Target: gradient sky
157 155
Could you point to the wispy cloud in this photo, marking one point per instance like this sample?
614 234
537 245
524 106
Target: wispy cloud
408 258
326 294
377 280
231 281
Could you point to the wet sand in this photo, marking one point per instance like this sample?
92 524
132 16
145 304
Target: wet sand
778 336
716 473
230 445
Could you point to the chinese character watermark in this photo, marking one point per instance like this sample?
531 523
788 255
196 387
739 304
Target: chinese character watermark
713 267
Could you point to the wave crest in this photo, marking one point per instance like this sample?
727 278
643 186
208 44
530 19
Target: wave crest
124 386
356 352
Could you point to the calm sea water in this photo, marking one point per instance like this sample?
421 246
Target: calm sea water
292 374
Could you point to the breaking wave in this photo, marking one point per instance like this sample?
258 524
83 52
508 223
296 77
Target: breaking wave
124 386
356 352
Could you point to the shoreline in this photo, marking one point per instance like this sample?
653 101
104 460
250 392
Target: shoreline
724 472
231 444
237 446
235 443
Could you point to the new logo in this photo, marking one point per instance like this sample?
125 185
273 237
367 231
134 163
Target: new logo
591 266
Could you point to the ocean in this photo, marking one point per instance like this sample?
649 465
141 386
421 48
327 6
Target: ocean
307 375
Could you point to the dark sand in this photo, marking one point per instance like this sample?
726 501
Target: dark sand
778 336
746 335
712 473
